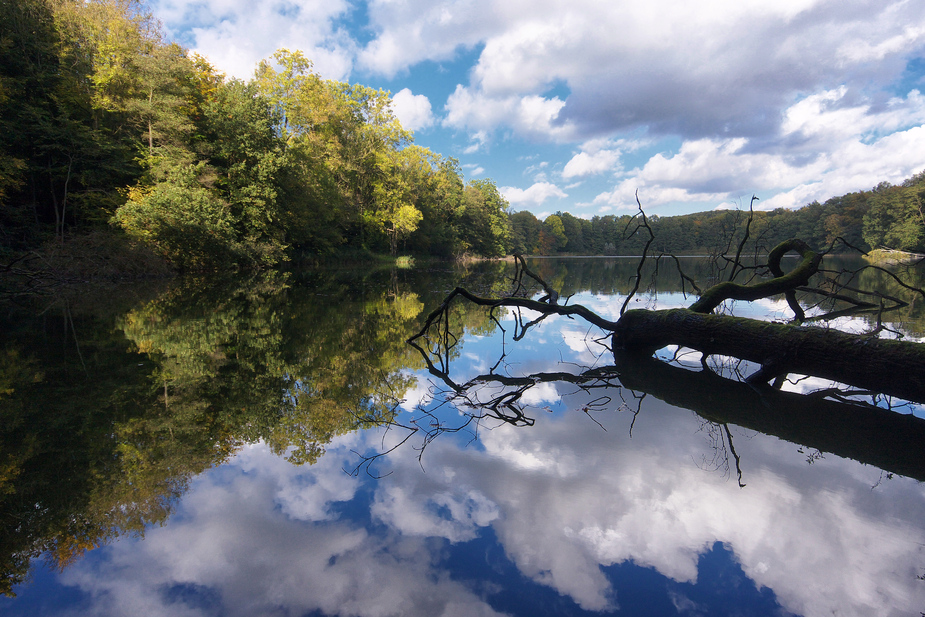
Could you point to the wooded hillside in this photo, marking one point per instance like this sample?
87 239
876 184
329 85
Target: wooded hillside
106 125
886 216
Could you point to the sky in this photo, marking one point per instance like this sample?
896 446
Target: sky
577 105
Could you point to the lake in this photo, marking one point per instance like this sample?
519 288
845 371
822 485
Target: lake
274 446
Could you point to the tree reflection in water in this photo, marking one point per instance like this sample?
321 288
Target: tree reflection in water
108 413
293 366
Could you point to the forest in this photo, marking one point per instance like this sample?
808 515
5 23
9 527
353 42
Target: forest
108 127
885 217
118 143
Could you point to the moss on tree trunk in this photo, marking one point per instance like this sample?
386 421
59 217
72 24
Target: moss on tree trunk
895 368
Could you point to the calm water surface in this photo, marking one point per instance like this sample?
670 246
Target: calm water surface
217 448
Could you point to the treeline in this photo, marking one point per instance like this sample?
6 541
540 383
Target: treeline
106 125
887 216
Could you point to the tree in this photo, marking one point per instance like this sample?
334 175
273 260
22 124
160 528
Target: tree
344 142
555 234
308 111
188 224
241 146
394 211
437 189
482 219
525 233
573 231
213 202
896 220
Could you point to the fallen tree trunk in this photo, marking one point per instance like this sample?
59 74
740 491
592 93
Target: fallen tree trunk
891 441
884 366
830 419
891 367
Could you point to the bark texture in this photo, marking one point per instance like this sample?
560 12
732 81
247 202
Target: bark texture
781 283
891 367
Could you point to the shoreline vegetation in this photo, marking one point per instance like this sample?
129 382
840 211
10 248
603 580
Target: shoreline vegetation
124 156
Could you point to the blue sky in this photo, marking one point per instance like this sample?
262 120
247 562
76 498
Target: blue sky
575 105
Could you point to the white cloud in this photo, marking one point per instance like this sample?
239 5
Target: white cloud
479 141
474 170
833 147
541 396
534 195
412 31
825 117
530 115
857 165
599 156
723 68
414 511
412 110
236 34
586 164
253 558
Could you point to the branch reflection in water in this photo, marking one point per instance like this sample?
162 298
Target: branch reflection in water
605 501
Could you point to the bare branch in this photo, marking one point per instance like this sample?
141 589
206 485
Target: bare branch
645 251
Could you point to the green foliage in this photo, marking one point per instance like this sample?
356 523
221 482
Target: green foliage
242 147
888 216
525 233
554 232
187 223
896 219
482 219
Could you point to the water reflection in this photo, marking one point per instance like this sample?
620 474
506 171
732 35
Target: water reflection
562 517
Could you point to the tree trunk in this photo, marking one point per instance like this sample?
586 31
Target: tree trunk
895 368
888 440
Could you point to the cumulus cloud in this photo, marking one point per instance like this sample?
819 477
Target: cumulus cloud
725 69
252 558
533 195
412 110
410 32
415 511
586 164
236 34
599 156
663 512
530 115
827 146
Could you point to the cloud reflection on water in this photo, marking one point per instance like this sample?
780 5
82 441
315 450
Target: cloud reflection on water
564 498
